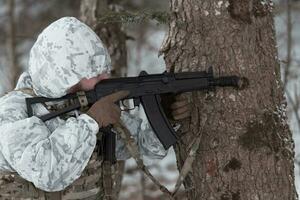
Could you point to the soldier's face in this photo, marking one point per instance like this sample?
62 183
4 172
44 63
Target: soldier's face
88 84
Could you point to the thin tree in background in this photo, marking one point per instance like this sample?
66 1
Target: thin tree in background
246 150
11 44
289 27
289 72
111 34
293 100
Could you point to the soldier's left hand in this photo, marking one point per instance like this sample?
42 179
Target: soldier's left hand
181 108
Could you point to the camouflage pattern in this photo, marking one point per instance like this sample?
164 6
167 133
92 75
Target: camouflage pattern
64 53
12 186
52 155
24 81
50 160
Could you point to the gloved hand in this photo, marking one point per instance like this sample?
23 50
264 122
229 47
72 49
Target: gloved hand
105 111
181 108
176 107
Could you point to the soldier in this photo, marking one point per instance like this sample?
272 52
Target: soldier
55 159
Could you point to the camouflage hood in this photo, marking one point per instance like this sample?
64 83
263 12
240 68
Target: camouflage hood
64 53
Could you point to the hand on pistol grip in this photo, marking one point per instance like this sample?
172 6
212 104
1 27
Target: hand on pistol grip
105 111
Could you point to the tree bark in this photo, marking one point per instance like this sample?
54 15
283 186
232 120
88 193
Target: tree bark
246 151
114 38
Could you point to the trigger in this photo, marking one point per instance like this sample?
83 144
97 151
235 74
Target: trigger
123 104
126 105
130 104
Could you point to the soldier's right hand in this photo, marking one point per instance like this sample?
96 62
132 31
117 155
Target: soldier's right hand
105 111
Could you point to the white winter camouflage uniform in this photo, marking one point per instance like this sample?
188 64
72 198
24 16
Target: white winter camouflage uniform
52 155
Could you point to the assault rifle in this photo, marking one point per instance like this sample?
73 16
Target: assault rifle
144 89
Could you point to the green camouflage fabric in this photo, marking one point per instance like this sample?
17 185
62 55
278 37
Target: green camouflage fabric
53 154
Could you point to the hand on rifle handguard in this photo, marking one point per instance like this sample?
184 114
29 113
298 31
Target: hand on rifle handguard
177 107
181 108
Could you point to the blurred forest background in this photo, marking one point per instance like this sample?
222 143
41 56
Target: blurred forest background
22 20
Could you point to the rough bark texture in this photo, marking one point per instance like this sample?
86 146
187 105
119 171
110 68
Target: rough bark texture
246 152
115 40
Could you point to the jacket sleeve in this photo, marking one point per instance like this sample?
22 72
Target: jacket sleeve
149 145
50 160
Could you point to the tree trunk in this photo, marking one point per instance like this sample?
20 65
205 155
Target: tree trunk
246 151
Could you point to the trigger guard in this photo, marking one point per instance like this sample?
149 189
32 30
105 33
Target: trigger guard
122 102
